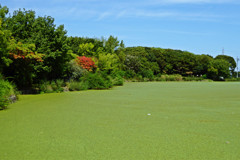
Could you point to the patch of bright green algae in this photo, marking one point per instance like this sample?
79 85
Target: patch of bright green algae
137 121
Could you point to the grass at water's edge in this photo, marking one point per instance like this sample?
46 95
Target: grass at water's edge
137 121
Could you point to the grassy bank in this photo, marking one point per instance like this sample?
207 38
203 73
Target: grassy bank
137 121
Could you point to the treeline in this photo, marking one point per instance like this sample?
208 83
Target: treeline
35 53
158 61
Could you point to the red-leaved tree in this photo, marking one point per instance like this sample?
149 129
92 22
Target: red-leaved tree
86 63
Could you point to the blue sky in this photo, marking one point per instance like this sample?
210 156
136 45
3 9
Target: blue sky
198 26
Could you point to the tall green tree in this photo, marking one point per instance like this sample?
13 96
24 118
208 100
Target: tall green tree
202 64
48 39
21 24
120 52
218 69
5 36
230 60
111 44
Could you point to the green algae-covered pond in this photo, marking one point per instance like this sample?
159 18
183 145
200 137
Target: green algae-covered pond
142 121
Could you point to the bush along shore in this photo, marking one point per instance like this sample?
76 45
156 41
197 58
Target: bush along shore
98 81
8 93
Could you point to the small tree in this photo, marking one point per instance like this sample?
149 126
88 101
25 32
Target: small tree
108 62
25 62
86 49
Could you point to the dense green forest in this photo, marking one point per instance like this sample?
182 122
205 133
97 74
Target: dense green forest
35 54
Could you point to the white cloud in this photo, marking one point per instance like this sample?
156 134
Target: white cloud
134 13
104 15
